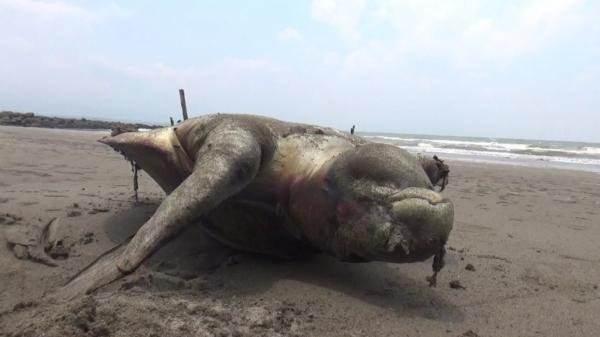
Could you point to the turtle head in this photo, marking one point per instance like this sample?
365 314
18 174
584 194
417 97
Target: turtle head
385 207
436 170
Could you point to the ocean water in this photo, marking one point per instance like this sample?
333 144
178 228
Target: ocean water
536 153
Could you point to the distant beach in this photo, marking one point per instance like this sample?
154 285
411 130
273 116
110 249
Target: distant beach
29 119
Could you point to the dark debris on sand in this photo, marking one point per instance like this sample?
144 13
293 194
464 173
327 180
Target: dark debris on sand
455 284
9 219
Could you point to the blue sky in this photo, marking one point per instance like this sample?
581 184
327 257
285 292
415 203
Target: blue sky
520 69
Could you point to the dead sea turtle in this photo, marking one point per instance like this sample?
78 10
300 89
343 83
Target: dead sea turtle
284 189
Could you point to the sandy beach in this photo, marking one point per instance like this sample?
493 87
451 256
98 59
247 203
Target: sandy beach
524 259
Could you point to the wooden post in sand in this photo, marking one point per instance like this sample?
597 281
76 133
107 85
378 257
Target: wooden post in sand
183 107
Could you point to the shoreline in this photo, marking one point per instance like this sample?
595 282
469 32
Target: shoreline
476 160
532 163
30 120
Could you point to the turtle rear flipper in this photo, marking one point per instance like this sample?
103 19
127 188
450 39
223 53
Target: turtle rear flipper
157 152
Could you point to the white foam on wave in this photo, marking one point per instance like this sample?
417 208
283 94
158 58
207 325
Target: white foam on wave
463 143
427 148
589 150
393 138
483 147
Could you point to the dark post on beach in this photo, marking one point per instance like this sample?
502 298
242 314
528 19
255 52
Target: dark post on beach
352 130
183 107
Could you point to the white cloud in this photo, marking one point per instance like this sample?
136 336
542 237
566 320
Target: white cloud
49 11
44 50
290 33
225 72
525 30
343 15
462 31
32 22
30 27
371 57
56 10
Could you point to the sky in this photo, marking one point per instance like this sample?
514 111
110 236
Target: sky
516 69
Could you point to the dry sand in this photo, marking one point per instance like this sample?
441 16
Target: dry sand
531 236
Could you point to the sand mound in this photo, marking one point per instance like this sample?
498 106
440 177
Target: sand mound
135 313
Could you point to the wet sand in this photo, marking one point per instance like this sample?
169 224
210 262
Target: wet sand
531 237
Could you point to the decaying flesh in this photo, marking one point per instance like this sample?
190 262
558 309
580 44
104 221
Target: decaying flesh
283 189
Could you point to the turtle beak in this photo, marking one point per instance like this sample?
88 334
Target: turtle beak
427 218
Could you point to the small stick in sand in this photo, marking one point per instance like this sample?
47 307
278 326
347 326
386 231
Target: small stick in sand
438 264
183 106
134 169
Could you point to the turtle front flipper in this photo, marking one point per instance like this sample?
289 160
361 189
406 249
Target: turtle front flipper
228 160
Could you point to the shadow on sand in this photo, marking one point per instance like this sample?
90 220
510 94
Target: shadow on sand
385 285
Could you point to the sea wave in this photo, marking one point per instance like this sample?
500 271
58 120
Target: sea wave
505 149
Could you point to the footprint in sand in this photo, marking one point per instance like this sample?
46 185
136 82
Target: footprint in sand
540 275
576 227
28 203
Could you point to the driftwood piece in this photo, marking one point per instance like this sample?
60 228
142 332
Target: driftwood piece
31 243
21 252
50 236
22 235
37 254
